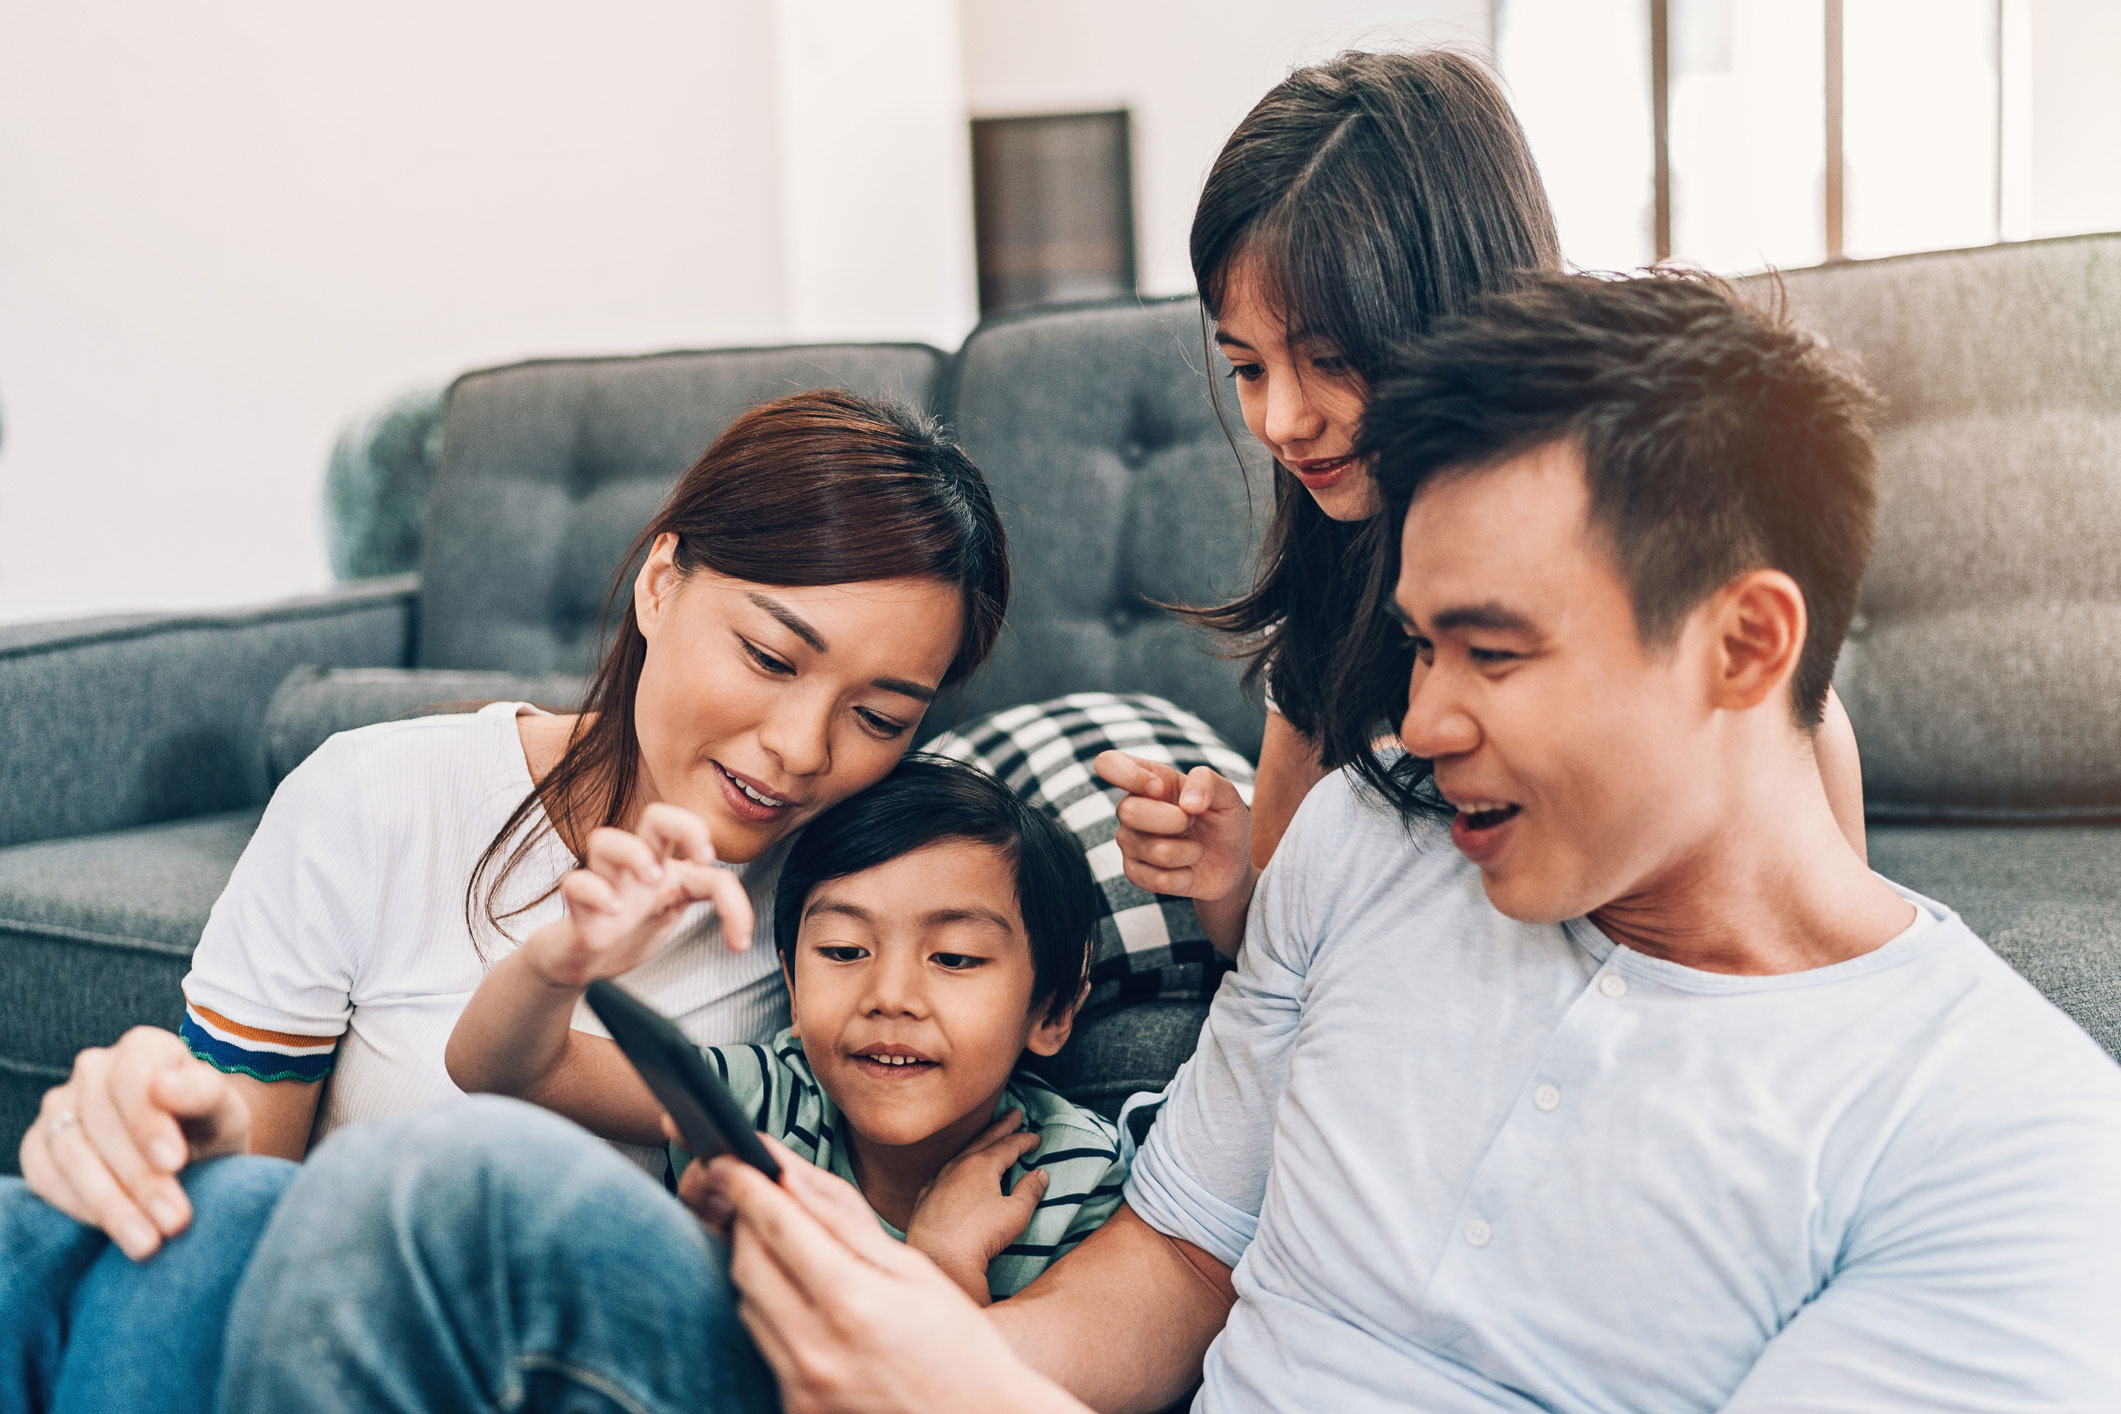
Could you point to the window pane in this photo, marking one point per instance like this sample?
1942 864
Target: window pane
1920 134
1748 134
1579 75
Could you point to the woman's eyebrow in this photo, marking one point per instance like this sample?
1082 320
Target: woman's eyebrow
792 621
1228 341
905 688
799 626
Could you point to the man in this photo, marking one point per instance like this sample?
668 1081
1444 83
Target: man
1632 1089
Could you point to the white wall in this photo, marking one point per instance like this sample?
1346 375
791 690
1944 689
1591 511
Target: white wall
1188 70
2075 116
876 177
227 226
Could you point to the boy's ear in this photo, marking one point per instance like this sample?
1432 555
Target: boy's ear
1052 1030
795 1015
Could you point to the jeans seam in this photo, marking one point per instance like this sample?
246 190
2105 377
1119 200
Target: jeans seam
601 1383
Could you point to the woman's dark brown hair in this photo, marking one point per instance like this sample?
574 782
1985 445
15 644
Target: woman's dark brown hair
1376 194
820 488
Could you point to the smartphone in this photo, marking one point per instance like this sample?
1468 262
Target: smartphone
680 1078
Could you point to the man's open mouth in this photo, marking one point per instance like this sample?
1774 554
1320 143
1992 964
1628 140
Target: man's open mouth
1485 816
1482 828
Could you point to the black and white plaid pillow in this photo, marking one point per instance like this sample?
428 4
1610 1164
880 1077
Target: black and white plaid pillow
1149 945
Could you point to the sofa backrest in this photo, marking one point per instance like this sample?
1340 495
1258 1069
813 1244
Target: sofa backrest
1983 672
1121 491
550 469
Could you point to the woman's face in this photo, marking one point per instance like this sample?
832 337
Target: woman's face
761 705
1299 397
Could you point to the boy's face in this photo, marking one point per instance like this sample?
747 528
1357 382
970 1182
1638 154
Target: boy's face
911 991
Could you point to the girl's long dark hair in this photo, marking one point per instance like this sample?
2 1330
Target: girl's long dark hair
820 488
1374 194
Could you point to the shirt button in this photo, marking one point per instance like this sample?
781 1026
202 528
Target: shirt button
1546 1097
1613 985
1478 1233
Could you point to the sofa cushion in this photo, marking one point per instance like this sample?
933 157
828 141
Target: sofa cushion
313 704
2046 897
96 933
1983 672
115 722
1121 491
550 469
1148 945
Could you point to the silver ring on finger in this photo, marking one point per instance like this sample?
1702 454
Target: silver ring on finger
63 1121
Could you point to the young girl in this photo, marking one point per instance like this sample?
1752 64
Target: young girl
1359 202
812 582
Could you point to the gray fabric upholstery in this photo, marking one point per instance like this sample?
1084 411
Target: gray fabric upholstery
95 935
312 704
549 470
1117 1052
110 723
1120 490
1984 671
2047 897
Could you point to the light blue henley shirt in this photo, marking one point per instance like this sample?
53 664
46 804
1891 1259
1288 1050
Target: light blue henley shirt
1464 1163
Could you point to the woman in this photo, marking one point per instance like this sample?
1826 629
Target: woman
1359 202
811 584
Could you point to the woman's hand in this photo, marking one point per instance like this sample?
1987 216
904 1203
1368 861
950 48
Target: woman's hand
108 1144
624 904
1187 835
849 1319
963 1219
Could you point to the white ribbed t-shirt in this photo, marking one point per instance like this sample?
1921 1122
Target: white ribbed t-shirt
341 945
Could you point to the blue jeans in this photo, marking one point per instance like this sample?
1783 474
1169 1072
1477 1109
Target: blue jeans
83 1327
486 1255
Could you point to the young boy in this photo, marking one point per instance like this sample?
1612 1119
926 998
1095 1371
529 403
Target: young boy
932 930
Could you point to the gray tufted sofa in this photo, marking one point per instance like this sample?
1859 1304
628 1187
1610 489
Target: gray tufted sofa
1984 676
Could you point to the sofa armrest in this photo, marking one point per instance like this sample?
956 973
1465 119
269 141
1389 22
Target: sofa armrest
109 723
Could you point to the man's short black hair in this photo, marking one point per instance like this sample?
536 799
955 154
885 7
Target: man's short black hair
927 799
1717 437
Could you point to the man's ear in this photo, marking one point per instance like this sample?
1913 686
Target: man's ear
652 587
1053 1029
1758 631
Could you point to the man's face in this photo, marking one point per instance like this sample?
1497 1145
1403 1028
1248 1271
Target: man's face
911 990
1575 755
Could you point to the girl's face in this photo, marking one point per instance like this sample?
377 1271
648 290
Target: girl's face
1299 397
761 705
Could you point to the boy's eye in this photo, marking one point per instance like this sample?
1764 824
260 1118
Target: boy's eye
836 952
766 661
1491 657
1424 650
956 961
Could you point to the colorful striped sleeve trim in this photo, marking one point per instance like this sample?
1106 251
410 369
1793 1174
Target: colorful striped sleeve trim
249 1050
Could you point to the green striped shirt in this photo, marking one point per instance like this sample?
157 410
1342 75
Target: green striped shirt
1078 1149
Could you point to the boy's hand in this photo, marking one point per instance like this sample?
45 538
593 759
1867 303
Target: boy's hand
1187 835
963 1219
623 905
